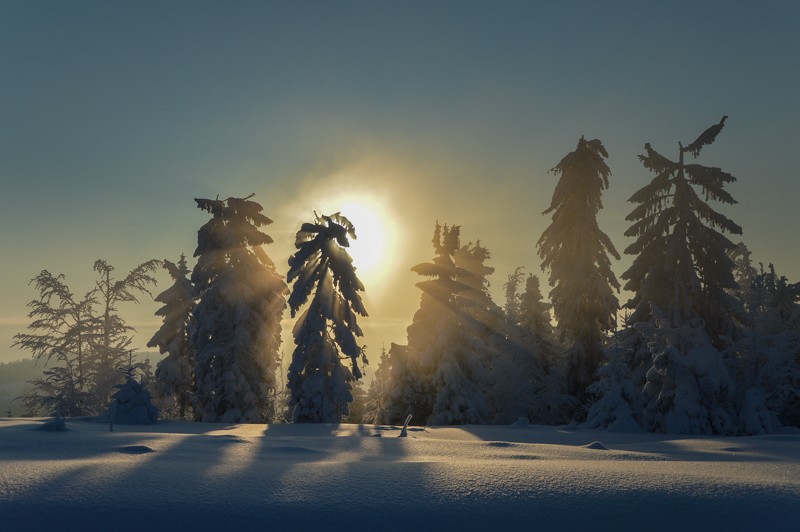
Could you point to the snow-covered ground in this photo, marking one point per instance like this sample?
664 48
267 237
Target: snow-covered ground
197 476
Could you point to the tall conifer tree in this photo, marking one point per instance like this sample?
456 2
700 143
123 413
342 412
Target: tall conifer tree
175 373
681 259
438 377
575 251
235 327
326 333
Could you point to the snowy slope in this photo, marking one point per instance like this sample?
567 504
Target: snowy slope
197 476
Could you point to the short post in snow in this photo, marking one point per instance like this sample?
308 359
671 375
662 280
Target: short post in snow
111 414
404 432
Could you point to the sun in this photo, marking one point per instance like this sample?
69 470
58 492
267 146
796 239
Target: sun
371 249
372 209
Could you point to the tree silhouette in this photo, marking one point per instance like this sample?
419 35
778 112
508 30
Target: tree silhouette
115 336
326 333
61 333
87 346
575 251
438 376
175 373
235 326
681 262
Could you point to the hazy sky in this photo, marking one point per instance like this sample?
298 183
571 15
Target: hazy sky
115 115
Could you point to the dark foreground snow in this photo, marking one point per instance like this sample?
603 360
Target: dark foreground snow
196 476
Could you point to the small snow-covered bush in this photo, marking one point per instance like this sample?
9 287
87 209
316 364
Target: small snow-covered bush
132 404
689 390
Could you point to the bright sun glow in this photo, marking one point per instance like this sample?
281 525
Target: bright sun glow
373 243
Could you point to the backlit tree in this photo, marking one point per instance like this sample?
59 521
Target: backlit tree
326 333
575 252
174 373
235 328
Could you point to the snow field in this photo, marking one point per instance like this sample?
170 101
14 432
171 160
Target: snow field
199 476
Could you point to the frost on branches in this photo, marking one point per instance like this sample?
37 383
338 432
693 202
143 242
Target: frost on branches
325 334
235 326
175 373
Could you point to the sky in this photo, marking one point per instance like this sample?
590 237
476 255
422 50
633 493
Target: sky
114 116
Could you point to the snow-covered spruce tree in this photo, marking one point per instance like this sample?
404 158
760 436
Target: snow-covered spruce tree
688 389
682 280
487 332
60 335
534 314
131 403
621 401
235 330
111 345
325 333
357 408
745 274
681 263
511 290
438 376
575 251
375 409
547 400
765 361
175 372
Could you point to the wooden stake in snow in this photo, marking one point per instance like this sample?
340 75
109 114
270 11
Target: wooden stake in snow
112 412
404 433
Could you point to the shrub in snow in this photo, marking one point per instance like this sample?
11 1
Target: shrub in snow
767 370
56 424
618 390
688 389
619 400
131 403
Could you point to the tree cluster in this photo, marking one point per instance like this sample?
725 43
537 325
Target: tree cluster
82 341
708 344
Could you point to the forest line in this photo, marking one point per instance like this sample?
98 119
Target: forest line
710 343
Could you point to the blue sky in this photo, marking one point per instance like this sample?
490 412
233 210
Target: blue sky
115 115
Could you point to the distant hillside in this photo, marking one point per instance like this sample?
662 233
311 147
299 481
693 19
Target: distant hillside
14 377
19 371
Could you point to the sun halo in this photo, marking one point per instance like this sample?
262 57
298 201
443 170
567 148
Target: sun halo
371 248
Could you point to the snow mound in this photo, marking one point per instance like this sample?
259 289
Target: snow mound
57 424
135 449
226 439
625 424
597 446
291 450
500 444
521 422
